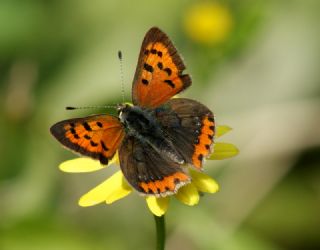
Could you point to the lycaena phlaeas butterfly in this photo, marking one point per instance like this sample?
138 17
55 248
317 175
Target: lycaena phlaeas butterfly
157 137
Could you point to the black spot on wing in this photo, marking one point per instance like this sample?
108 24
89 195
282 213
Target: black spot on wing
145 81
170 83
148 67
168 70
75 135
103 160
87 126
105 148
176 181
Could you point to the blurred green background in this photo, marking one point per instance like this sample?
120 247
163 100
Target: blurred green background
254 63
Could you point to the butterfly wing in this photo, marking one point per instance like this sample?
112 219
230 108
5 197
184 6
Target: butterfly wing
147 171
97 136
190 126
159 74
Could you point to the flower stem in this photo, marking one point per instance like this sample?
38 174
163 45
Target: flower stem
161 232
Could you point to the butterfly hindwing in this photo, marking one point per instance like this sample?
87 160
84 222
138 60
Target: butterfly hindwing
97 136
147 171
190 126
159 74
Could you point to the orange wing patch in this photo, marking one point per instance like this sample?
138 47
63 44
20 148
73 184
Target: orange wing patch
205 141
167 186
158 75
97 136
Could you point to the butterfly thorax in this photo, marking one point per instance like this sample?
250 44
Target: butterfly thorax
142 124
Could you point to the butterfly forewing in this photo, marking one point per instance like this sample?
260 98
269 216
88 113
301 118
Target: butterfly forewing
97 136
159 70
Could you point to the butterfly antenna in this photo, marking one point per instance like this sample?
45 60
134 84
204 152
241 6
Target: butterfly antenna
92 107
121 74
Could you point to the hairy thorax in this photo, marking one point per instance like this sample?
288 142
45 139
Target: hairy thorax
142 124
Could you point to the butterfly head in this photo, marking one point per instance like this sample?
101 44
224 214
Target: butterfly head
123 107
123 110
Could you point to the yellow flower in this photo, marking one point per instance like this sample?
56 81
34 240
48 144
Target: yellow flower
116 187
208 22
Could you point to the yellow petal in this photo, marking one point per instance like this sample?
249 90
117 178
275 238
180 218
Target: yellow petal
115 159
203 182
80 165
188 195
221 130
158 206
103 191
223 151
119 191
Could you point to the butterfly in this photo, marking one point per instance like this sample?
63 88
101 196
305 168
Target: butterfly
158 137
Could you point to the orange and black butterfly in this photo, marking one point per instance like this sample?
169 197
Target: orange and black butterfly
157 137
